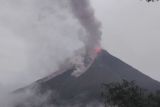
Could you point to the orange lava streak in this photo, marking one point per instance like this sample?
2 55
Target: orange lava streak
98 50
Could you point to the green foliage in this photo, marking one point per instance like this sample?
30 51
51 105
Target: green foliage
153 100
128 94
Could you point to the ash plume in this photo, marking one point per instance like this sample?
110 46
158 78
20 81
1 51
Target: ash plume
44 28
85 14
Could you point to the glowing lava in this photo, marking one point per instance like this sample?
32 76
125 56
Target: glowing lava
98 50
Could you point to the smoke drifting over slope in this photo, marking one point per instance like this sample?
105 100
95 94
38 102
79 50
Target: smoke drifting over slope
51 31
48 32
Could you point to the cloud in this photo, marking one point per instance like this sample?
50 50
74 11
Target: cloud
36 37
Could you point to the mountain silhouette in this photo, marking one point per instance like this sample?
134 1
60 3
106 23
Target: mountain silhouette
87 87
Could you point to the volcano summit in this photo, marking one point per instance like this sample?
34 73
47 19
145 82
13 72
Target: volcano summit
86 88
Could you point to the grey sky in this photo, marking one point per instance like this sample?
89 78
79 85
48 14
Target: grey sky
131 32
37 35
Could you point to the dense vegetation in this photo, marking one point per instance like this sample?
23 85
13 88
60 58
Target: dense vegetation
128 94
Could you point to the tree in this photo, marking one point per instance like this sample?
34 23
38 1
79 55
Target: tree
153 100
125 94
128 94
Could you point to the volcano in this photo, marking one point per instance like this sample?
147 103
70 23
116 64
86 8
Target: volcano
87 87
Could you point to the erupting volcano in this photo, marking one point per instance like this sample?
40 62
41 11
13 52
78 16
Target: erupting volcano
79 79
86 88
85 15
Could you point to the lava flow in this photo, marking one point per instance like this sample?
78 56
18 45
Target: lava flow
98 50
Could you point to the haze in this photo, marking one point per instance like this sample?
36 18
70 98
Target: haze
130 31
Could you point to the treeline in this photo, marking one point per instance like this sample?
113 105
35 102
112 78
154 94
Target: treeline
128 94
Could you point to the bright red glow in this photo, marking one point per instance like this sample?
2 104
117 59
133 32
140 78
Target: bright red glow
98 50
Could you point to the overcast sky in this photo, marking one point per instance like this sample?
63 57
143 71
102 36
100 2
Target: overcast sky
37 35
131 32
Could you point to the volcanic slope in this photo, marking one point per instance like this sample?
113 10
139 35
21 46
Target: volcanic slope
87 87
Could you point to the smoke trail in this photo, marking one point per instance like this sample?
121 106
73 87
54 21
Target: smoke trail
45 28
85 14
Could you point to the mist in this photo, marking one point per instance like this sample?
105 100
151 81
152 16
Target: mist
36 37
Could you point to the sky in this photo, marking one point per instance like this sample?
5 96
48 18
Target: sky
35 37
34 34
131 32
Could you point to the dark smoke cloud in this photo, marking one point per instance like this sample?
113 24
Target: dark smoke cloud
85 14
